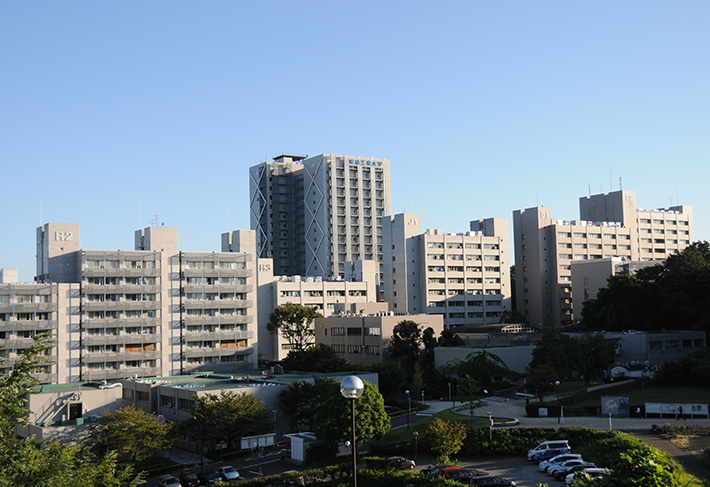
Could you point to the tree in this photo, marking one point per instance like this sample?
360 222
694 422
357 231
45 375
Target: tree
449 338
470 393
392 379
512 316
405 344
26 462
229 416
318 358
333 422
558 350
596 354
295 323
17 385
642 467
485 367
445 439
540 379
301 400
133 431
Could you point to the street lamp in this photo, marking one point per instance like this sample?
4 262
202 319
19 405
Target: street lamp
557 388
409 400
352 388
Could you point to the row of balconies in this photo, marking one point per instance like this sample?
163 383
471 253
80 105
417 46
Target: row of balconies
217 351
28 325
216 288
121 339
218 319
120 322
219 335
217 303
120 272
120 289
215 273
122 373
27 307
121 305
120 356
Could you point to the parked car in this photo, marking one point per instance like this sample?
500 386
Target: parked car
563 473
434 469
209 477
592 472
463 475
549 445
189 479
490 481
547 454
443 471
564 465
168 481
228 472
557 460
402 463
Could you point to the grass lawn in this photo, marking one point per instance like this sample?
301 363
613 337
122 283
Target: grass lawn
403 434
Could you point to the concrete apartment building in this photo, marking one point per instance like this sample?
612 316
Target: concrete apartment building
313 214
363 339
152 311
328 295
463 277
610 226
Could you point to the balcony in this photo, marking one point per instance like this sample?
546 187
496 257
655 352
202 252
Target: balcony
121 339
38 325
218 335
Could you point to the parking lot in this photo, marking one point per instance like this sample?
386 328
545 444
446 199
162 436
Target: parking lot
522 472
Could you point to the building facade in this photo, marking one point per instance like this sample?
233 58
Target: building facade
152 311
463 277
612 226
363 339
312 215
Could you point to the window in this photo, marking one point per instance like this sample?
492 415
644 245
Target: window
373 349
373 331
337 331
564 234
338 348
354 349
352 331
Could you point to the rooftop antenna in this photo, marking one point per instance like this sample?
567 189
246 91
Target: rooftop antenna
537 199
156 218
589 188
620 187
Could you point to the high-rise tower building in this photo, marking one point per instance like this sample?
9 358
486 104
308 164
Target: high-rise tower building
312 215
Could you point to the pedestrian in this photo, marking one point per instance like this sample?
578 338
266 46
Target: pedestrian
680 412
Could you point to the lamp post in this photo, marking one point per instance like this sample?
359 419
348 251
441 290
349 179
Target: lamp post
202 445
352 388
557 388
409 408
490 426
416 437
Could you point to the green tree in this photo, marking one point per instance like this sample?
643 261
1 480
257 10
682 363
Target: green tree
512 316
318 358
18 384
558 350
470 393
417 383
133 431
301 399
485 367
405 344
392 379
229 416
449 338
596 355
445 439
540 379
26 462
333 422
295 323
637 468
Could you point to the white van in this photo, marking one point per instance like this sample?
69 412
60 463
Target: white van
549 445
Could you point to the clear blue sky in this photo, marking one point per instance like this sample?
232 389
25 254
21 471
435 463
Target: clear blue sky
482 108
